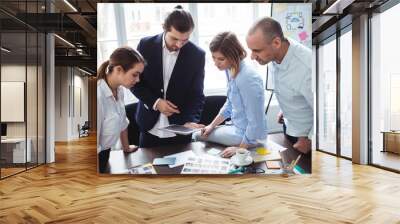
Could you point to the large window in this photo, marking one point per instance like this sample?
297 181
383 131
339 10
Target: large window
131 22
327 96
385 85
106 32
212 19
335 94
143 19
346 94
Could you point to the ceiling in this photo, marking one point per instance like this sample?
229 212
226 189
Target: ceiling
332 15
76 25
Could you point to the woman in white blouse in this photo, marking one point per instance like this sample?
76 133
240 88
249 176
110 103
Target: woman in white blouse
121 70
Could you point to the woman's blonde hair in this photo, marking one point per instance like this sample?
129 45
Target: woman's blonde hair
228 45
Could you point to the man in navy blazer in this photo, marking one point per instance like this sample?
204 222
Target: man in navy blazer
171 86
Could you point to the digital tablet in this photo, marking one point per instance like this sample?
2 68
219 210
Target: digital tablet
179 129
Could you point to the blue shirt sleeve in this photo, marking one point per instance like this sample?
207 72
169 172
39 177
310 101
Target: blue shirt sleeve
226 110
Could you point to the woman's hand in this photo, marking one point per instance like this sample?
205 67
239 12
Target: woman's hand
131 148
206 131
229 151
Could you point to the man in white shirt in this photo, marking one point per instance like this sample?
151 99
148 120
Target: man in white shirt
291 68
171 87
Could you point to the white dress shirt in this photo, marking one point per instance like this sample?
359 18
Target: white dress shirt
111 116
169 60
292 86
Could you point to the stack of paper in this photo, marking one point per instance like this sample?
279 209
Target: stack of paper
181 158
206 165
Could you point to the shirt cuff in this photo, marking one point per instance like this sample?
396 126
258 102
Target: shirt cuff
155 104
225 114
125 125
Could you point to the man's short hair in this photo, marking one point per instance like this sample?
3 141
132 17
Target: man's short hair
180 19
269 27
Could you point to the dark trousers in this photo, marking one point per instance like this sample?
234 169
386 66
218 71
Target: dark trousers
147 140
291 139
103 160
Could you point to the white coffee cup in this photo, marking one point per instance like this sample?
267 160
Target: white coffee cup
242 154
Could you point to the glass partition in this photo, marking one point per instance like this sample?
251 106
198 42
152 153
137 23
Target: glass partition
327 96
385 90
22 90
13 103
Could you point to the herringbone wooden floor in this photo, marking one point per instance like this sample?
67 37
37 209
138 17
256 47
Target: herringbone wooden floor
70 191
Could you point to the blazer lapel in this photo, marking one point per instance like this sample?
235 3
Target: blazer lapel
158 61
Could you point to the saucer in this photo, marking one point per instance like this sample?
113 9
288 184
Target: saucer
246 162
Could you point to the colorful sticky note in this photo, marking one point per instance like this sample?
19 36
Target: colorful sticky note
262 151
303 35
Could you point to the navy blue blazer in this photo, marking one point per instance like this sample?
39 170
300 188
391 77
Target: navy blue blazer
185 88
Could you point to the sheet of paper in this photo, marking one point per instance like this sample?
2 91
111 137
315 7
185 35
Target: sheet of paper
272 146
273 164
181 158
214 152
272 150
143 169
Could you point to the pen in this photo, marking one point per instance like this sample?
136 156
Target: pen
295 162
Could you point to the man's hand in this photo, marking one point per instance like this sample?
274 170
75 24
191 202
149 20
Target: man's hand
206 131
193 125
167 108
303 145
279 118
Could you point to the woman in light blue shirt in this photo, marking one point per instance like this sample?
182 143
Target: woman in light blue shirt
245 99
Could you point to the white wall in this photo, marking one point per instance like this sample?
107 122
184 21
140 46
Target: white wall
70 83
79 117
61 103
314 89
33 126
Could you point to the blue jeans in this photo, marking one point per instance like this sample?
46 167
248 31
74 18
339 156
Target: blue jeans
227 135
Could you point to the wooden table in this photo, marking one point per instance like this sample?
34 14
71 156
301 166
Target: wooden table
119 161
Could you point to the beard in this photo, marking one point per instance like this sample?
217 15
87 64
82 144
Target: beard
262 62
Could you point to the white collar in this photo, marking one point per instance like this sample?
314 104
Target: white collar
107 90
288 56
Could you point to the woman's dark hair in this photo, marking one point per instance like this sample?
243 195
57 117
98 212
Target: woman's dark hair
228 45
125 57
180 19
